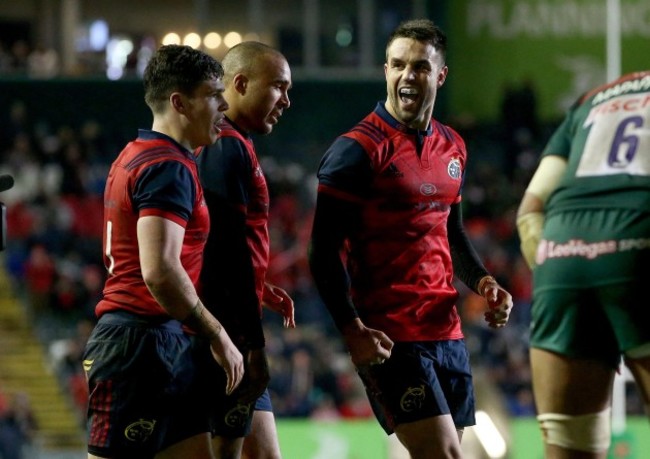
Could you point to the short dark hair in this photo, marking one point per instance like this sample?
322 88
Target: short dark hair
177 68
421 30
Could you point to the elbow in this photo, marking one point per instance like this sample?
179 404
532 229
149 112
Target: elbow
156 277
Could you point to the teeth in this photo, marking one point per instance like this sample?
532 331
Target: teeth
408 91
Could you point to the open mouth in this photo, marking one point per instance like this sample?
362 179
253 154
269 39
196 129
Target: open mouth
216 125
408 95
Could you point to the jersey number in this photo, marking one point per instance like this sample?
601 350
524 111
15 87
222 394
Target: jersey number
624 145
109 256
616 136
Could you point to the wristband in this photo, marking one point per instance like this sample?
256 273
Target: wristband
529 227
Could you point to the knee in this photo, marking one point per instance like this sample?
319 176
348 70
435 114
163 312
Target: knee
587 432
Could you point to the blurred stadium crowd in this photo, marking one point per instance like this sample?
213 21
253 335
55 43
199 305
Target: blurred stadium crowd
54 215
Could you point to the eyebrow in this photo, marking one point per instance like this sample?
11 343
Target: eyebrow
417 62
282 81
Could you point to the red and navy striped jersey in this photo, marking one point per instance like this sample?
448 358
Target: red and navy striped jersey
237 254
399 258
153 175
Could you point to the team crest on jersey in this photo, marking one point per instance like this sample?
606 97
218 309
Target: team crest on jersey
453 168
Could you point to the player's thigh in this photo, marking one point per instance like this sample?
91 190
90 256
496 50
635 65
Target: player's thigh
570 386
640 369
431 438
262 442
196 447
227 447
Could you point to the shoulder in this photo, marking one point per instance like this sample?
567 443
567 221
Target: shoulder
231 150
139 154
369 132
448 133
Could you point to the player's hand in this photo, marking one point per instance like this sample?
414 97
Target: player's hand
499 302
256 378
278 300
367 346
228 356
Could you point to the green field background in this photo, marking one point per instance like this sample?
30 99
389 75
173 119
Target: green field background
364 439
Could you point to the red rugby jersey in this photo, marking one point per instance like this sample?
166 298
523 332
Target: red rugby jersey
153 175
399 260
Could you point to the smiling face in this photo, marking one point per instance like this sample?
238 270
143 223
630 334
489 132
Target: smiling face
414 71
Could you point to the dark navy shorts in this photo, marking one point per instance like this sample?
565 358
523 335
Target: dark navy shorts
229 418
421 380
142 385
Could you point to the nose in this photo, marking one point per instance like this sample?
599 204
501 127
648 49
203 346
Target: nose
409 73
286 103
223 105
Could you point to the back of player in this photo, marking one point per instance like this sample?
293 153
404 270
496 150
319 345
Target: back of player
584 224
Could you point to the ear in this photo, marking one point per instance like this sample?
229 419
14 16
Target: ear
177 101
240 83
442 76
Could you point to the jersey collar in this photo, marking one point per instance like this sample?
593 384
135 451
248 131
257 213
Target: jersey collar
395 124
147 134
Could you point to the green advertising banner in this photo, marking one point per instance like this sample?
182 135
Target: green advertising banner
559 46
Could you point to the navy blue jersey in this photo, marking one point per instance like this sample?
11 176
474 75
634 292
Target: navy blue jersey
237 252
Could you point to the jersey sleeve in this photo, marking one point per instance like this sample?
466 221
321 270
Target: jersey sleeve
345 170
166 189
560 142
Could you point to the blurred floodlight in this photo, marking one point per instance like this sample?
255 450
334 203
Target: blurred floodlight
118 50
344 36
212 40
114 72
489 436
192 39
172 38
98 35
231 39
